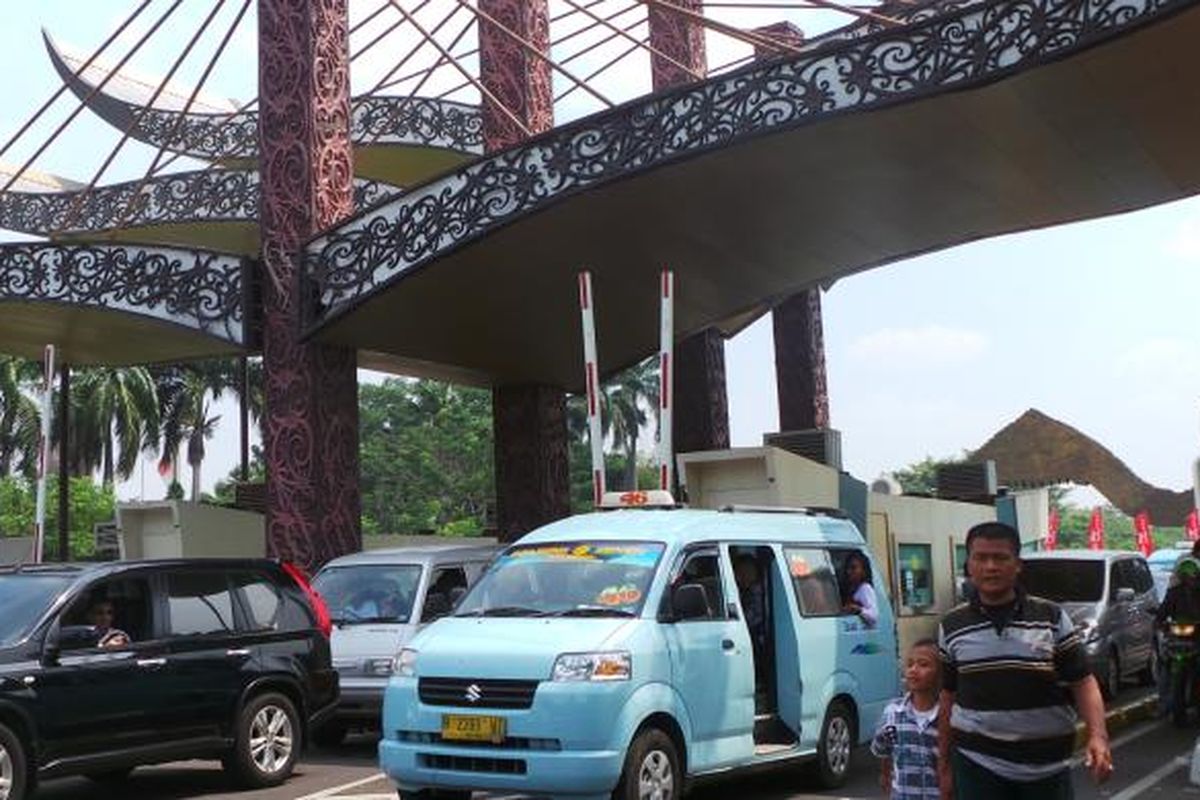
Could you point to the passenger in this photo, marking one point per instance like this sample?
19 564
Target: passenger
100 616
1182 601
860 594
753 598
906 740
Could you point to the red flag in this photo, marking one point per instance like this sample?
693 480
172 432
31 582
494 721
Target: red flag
1096 531
1145 542
1193 525
1052 533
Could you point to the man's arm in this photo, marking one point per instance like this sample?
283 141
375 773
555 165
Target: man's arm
1090 705
945 775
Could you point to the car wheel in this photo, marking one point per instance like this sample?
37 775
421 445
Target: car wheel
14 774
651 770
111 776
267 742
330 735
1110 682
1149 674
835 745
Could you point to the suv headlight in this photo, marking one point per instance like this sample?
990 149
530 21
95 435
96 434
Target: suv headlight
611 666
405 663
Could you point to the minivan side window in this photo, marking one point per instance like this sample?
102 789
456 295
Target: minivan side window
1143 581
199 603
703 568
814 582
261 600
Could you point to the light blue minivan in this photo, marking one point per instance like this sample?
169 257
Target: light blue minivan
622 653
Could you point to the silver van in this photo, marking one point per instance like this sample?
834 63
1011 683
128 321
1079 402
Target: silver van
378 600
1110 596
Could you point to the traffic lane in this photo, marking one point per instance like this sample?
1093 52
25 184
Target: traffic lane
1150 760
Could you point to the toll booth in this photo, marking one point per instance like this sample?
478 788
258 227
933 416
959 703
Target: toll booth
181 529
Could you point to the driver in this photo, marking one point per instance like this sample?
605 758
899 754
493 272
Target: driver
1183 599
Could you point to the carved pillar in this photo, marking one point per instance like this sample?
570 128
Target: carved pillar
310 434
529 422
701 406
681 38
800 362
532 479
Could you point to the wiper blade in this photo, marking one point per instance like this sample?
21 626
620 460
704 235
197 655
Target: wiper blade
594 611
504 611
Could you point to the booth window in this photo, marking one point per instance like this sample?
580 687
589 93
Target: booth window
916 575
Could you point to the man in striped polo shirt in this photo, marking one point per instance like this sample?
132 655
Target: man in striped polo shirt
1013 676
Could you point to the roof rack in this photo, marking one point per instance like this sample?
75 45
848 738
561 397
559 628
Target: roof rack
809 511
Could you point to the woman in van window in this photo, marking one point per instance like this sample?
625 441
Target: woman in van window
860 593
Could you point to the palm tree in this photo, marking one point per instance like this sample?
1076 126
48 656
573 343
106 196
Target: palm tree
633 391
20 419
114 417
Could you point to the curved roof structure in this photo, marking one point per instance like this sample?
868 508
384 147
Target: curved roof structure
967 121
1038 450
397 140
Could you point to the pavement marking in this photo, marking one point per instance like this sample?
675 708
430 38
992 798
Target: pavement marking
1154 778
1124 739
335 790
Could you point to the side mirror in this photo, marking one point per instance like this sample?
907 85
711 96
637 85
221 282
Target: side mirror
68 637
690 601
1126 595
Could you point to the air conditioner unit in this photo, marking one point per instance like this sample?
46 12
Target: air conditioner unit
823 445
969 481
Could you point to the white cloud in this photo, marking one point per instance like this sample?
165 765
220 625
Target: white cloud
928 345
1185 243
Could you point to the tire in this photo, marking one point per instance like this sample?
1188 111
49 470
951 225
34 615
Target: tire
267 742
110 777
1110 681
329 735
651 770
835 745
14 769
1149 674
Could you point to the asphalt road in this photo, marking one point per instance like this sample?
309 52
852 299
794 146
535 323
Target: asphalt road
1151 761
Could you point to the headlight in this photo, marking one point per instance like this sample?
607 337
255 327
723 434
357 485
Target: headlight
1183 631
379 667
405 663
615 666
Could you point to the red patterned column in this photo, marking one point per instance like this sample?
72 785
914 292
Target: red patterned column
800 362
311 422
701 405
676 39
529 421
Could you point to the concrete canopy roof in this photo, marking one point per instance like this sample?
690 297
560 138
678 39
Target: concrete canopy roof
1098 125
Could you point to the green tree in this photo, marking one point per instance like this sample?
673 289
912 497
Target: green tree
114 418
20 419
630 395
90 503
921 476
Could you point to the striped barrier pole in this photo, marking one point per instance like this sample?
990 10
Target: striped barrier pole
666 397
592 381
39 535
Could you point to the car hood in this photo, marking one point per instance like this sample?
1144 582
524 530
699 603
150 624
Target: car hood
519 648
1081 612
369 640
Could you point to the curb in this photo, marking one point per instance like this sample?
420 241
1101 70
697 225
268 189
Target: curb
1123 716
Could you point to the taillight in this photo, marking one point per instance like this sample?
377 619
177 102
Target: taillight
324 621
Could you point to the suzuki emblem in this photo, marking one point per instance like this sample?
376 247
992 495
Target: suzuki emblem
474 693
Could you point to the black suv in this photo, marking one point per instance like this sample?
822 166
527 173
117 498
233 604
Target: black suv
104 667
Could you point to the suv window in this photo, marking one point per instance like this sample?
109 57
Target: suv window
24 598
128 600
260 599
814 582
199 603
446 587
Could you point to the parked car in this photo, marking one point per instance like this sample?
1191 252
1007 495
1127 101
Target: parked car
610 654
378 600
1110 596
105 667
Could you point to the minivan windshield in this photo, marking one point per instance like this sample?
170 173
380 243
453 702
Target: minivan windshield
1064 580
24 597
359 593
569 579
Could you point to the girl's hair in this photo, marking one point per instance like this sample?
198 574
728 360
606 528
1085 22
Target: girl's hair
926 642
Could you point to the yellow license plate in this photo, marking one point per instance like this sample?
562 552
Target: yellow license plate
473 728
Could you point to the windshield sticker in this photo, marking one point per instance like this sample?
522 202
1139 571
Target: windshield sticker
624 595
638 555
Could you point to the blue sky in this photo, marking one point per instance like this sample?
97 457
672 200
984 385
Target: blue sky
1093 323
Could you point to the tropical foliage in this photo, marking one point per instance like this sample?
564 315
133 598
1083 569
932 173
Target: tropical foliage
20 420
90 503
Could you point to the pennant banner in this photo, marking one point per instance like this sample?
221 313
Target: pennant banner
1052 533
1145 540
1096 531
1193 525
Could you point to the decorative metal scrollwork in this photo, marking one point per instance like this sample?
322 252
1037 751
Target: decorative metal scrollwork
200 290
215 195
941 48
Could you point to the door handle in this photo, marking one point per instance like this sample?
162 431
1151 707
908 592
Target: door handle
240 652
727 644
151 663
